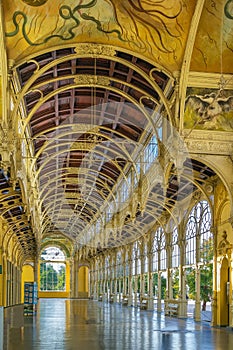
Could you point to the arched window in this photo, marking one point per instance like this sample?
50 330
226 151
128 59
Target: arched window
136 264
119 266
155 254
206 236
146 258
138 258
52 270
199 224
126 264
159 250
134 259
191 231
107 266
175 248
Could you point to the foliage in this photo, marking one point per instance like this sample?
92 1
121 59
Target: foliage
206 274
175 285
191 282
163 285
51 278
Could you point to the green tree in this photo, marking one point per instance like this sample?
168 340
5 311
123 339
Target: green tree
191 282
48 276
175 285
51 278
206 276
206 255
206 284
61 278
163 284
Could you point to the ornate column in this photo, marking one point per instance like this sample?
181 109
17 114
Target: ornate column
159 303
169 290
1 278
71 262
114 276
95 273
230 254
92 279
142 277
150 275
97 266
130 278
124 272
75 275
197 311
110 276
104 274
36 268
135 280
231 293
182 311
214 295
101 277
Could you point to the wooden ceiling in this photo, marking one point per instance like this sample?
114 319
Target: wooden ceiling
88 95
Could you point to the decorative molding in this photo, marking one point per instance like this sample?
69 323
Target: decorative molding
207 135
209 142
88 79
224 247
95 50
210 147
209 80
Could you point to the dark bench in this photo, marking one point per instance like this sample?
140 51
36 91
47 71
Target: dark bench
125 300
171 309
144 304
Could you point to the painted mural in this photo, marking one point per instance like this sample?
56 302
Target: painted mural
209 110
157 29
213 48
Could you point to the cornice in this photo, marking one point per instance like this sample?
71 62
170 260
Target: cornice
209 80
209 142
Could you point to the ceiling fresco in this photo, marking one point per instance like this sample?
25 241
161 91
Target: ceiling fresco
213 48
155 29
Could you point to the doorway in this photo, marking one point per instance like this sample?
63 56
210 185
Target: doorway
224 293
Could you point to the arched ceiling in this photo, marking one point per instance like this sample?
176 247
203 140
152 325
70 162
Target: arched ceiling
158 30
92 82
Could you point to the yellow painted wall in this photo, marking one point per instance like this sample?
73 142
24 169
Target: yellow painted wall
27 276
53 294
223 309
83 279
224 269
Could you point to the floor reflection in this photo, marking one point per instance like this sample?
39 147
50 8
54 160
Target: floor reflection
62 324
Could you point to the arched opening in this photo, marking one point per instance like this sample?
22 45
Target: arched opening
54 273
224 295
199 252
83 282
27 276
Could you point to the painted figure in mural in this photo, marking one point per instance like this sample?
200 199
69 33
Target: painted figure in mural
35 2
145 24
212 111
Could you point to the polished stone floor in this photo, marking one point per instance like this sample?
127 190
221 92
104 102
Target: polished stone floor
90 325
